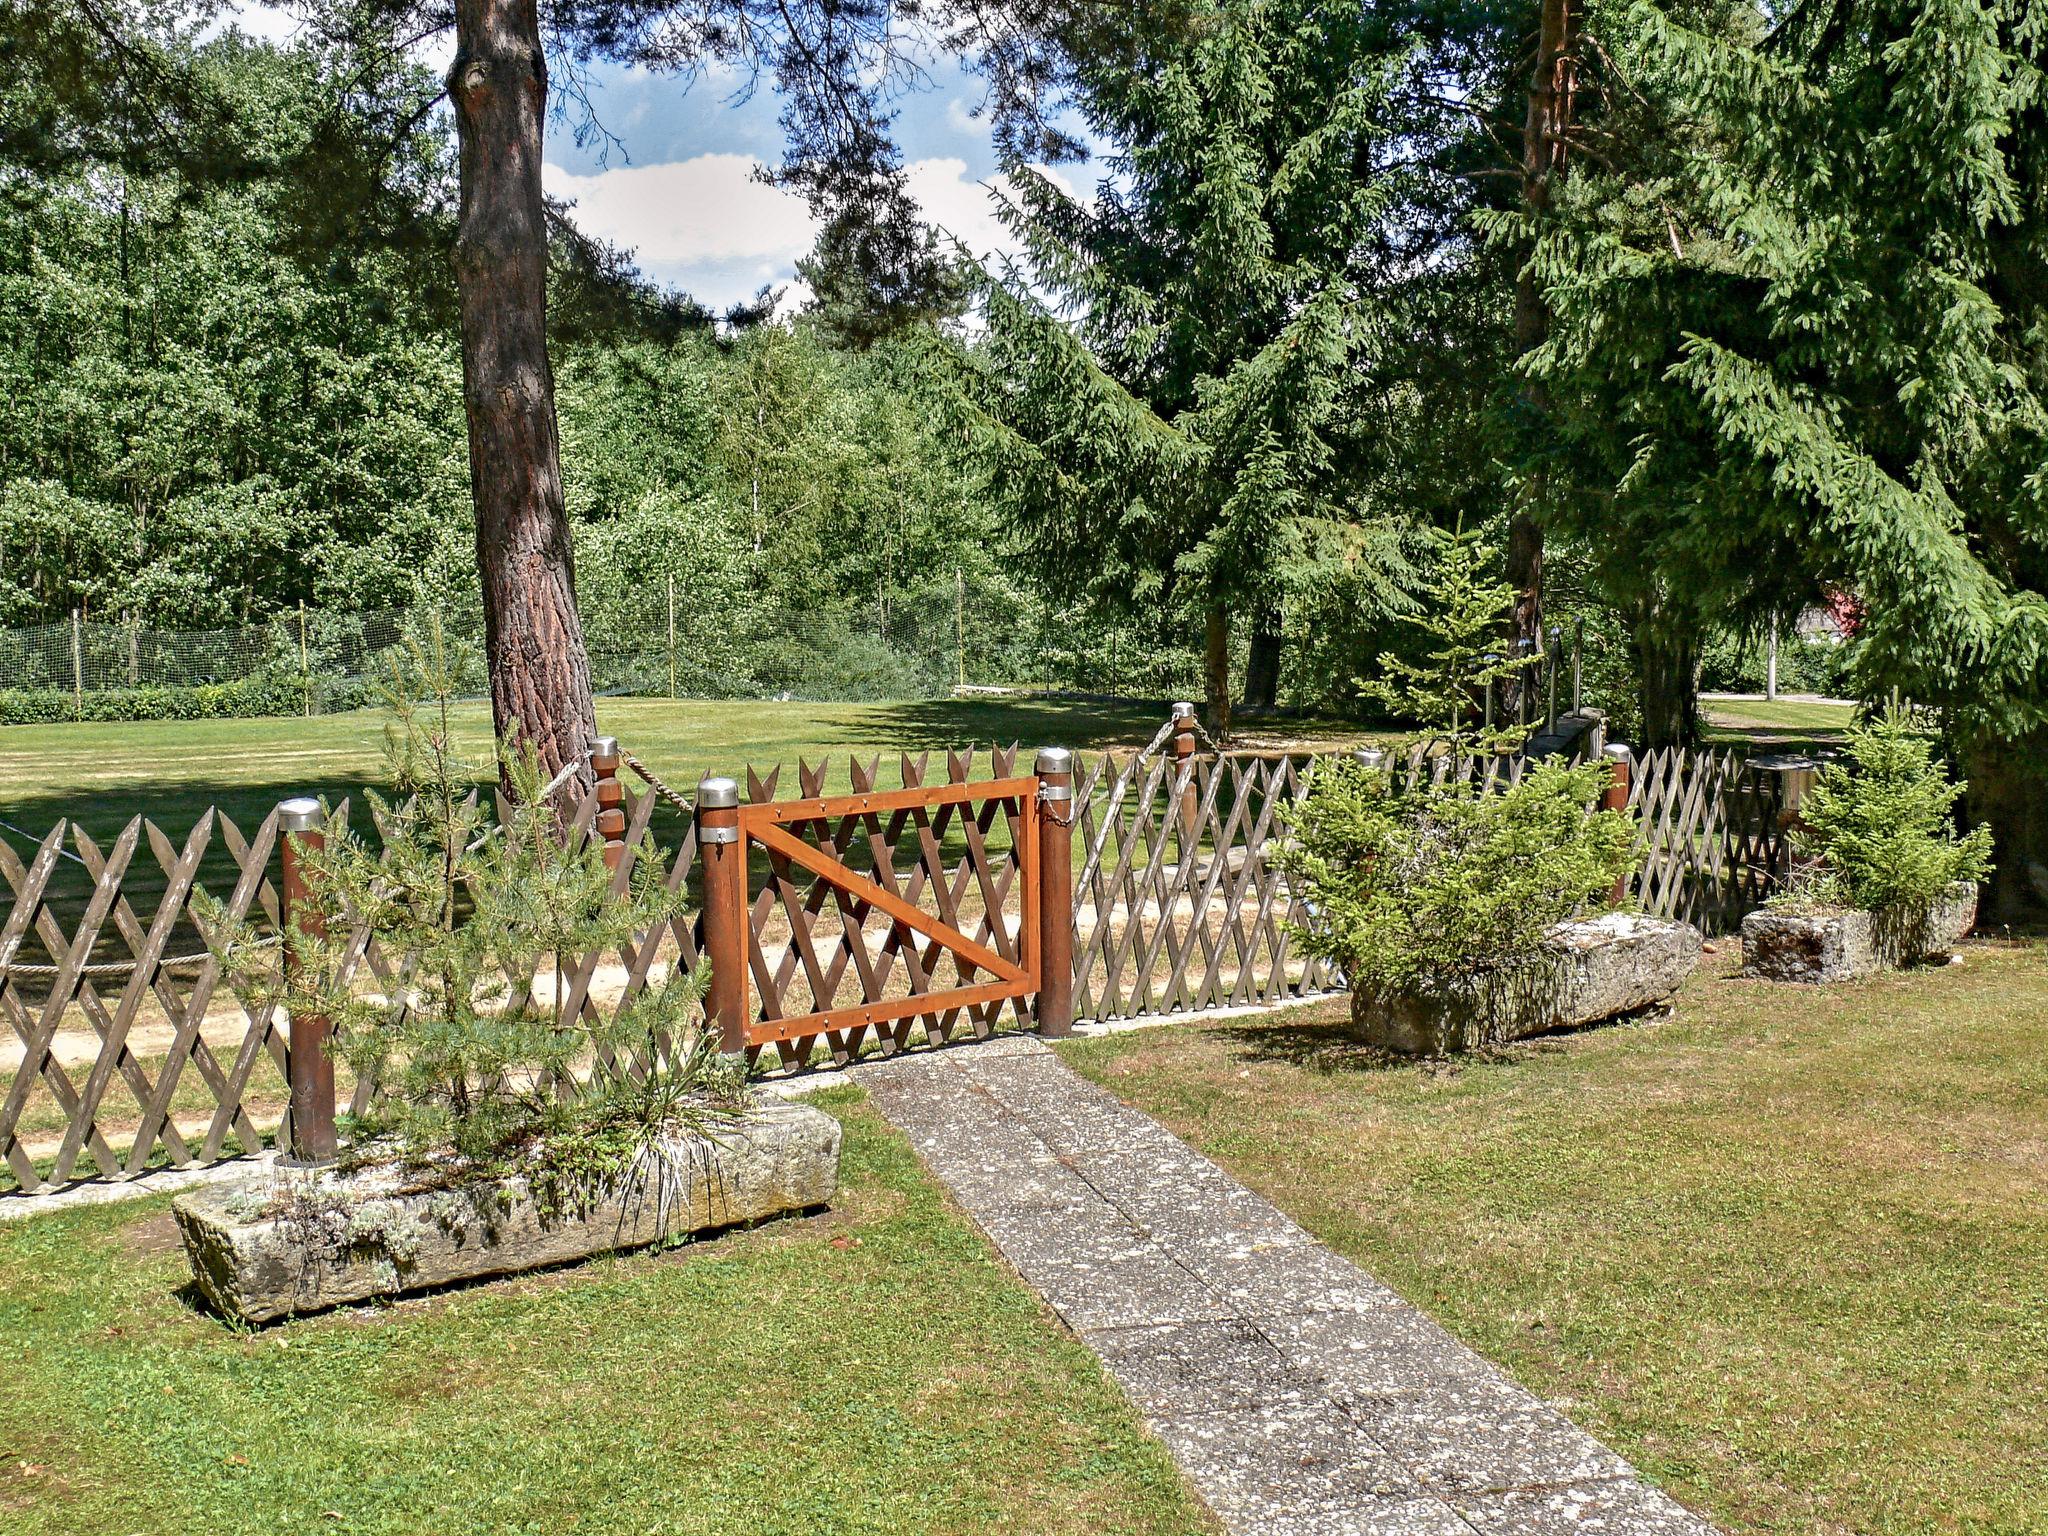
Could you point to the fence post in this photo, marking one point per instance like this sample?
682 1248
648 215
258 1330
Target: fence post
1055 768
302 828
1552 658
725 909
1620 770
1578 661
1190 806
611 796
77 667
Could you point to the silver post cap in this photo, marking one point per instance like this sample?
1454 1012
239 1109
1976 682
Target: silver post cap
300 814
717 793
1055 760
1618 750
1369 757
1183 711
604 746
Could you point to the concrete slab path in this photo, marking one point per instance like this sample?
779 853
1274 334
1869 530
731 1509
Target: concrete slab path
1300 1396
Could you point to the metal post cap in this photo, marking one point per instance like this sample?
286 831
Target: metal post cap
1183 711
1055 760
604 746
1369 757
1618 750
301 814
717 793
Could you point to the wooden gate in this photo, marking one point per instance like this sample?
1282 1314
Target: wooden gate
835 919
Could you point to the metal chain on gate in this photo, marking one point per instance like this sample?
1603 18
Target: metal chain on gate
1049 796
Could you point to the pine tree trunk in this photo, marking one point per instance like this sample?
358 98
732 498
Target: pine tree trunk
1262 666
1544 131
540 672
2009 789
1667 655
1216 671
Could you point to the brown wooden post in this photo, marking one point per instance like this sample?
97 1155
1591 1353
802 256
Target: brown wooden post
1620 766
302 828
611 796
1184 769
724 852
1055 891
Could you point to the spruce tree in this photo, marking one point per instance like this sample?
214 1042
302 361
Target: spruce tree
1170 387
1796 340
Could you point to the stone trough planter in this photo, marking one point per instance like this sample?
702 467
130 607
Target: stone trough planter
289 1241
1590 970
1841 945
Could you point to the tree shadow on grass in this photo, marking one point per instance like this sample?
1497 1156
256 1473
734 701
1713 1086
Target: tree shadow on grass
937 725
1327 1047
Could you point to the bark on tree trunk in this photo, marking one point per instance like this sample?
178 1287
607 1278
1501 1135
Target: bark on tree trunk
540 672
1667 654
2009 789
1262 666
1552 83
1216 671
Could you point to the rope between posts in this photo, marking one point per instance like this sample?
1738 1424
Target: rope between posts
105 968
654 783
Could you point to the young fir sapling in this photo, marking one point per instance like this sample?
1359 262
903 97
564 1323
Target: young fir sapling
1450 878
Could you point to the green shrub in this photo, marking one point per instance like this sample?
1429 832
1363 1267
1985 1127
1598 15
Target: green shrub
1449 881
271 693
1880 831
491 915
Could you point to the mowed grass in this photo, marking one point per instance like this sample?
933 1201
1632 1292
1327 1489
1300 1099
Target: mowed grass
872 1370
1789 1251
171 771
1766 723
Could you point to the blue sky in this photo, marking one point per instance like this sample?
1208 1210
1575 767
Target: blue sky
678 187
675 182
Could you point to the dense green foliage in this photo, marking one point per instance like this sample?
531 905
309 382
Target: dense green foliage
1450 877
1202 434
1881 826
1197 440
1449 882
1462 661
493 917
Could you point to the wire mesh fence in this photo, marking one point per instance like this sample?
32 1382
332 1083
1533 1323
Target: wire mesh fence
315 661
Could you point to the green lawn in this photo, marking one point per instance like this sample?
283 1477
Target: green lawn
1780 723
1789 1252
873 1370
172 770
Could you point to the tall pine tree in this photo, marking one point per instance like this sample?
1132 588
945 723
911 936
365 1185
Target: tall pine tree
1800 338
1171 388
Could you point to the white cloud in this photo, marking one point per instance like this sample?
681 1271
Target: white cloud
709 226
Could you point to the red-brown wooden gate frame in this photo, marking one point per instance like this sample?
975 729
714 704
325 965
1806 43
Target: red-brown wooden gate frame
727 830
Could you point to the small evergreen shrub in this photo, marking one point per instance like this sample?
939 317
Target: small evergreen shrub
490 918
1450 880
1412 889
1879 832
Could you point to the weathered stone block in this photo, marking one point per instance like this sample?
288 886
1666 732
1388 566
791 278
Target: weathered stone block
1839 946
1589 970
299 1240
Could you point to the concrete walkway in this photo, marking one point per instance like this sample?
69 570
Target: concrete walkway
1300 1396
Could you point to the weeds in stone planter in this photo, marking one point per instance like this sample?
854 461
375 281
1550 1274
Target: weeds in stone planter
1879 833
484 919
